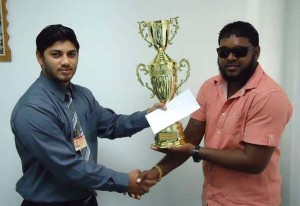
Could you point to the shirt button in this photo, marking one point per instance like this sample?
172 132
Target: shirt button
209 183
223 113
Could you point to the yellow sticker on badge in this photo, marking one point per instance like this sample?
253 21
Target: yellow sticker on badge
79 142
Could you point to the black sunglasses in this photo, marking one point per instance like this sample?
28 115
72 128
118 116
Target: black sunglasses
238 52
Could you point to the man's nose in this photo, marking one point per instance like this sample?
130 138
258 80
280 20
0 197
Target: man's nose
65 60
231 57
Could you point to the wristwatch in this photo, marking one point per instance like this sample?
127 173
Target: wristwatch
196 154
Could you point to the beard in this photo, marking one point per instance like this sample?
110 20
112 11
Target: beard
63 75
244 75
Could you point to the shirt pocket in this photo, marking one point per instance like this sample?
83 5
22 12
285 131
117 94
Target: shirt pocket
234 123
91 121
88 122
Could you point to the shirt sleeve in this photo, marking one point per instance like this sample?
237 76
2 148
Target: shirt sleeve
266 119
111 125
41 132
201 98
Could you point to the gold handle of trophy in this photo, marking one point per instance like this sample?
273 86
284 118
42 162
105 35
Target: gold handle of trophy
142 67
174 23
142 26
184 63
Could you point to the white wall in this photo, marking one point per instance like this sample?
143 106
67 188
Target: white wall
110 50
291 80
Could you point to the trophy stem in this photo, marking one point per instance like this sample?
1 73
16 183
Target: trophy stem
162 57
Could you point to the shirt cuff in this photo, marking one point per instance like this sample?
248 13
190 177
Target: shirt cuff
121 182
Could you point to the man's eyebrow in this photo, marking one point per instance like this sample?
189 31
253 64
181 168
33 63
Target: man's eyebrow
58 50
55 50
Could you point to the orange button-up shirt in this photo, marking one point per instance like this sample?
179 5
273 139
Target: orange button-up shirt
256 114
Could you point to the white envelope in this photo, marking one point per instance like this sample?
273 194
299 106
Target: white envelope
179 107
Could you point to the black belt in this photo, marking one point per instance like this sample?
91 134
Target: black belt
83 202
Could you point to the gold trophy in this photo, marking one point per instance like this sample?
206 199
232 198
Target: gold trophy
163 73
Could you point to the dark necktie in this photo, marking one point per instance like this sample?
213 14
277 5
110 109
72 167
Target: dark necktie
85 152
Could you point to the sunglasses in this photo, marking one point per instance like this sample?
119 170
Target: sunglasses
238 52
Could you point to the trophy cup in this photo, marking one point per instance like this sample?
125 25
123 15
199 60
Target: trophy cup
163 73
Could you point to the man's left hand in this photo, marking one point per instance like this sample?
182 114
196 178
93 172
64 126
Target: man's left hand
185 149
157 106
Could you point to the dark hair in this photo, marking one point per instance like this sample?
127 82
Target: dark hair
240 29
53 33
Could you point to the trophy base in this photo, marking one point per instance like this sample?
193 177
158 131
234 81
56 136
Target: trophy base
172 135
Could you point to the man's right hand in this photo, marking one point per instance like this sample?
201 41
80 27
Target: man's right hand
136 187
146 177
152 174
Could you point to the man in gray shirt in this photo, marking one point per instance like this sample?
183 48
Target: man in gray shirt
56 124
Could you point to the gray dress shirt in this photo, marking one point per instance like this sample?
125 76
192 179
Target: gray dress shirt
42 125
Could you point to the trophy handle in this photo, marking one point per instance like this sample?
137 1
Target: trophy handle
182 64
142 27
174 23
142 67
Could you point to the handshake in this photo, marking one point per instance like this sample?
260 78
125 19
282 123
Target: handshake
140 182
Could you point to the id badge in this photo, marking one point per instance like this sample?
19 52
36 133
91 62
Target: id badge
79 143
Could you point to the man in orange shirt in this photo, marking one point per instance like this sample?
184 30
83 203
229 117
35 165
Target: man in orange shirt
242 116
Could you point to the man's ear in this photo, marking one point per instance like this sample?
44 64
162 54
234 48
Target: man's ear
39 57
257 52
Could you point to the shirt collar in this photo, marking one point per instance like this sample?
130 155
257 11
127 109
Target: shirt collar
255 78
251 83
55 88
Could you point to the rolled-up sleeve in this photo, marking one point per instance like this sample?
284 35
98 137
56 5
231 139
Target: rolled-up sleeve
267 119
